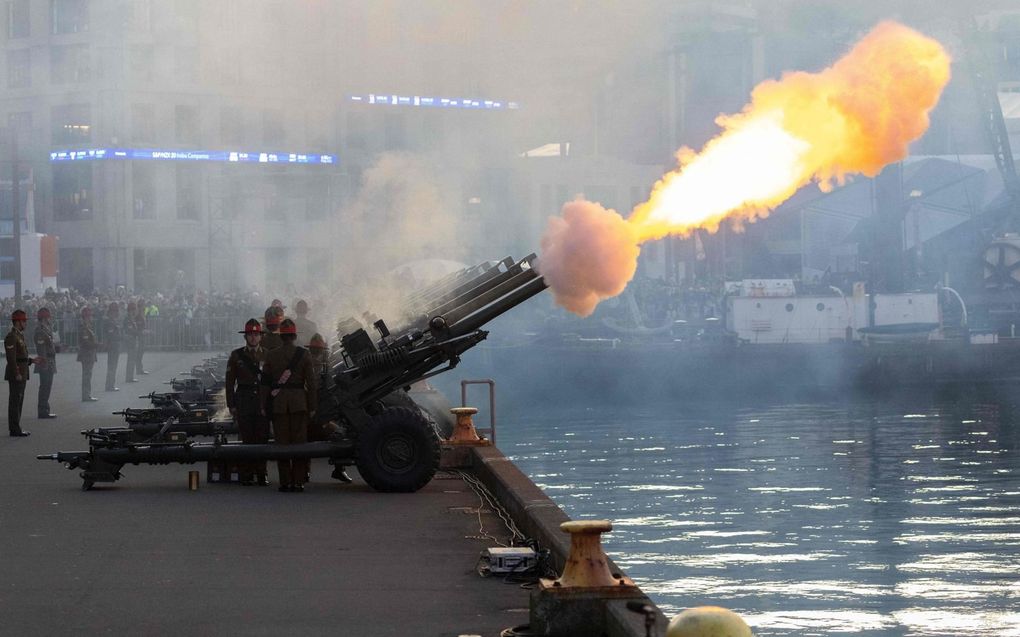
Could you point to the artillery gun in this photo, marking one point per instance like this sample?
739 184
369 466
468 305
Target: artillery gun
392 443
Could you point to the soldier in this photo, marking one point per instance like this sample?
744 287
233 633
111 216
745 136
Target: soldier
129 341
271 333
111 337
16 373
140 320
244 377
319 427
289 397
87 348
305 327
320 361
46 353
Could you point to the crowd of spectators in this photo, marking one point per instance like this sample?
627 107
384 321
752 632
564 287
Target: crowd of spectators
173 320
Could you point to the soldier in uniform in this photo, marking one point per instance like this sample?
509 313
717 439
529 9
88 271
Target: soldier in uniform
87 348
271 333
305 327
320 361
111 338
129 342
46 353
140 321
289 397
319 427
243 382
16 373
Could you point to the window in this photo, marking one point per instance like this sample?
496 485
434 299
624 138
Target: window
186 64
142 63
143 122
604 195
72 123
231 125
72 191
70 64
278 194
186 124
143 189
394 133
69 16
272 128
316 125
188 192
357 129
19 23
7 271
317 192
21 122
19 68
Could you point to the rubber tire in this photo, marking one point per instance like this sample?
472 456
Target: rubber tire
399 452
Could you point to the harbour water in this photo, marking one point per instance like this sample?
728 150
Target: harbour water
885 517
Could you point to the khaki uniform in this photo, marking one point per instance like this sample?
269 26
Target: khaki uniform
140 349
87 348
130 334
289 408
111 336
16 375
47 367
243 382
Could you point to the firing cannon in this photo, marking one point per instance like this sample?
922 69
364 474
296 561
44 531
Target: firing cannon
392 442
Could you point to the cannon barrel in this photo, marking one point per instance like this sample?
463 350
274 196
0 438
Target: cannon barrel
187 453
449 287
481 288
493 310
190 429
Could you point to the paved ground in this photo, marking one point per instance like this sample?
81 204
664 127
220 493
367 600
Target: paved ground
147 556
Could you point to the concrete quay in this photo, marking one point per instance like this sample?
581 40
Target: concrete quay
147 556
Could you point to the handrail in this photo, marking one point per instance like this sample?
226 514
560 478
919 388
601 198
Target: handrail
492 403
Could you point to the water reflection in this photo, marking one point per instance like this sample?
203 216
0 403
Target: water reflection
859 517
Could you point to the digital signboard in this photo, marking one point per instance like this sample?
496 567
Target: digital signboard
389 99
229 156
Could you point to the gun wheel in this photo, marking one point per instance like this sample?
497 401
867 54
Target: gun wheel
399 451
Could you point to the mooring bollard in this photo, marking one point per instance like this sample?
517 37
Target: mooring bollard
575 603
464 432
587 564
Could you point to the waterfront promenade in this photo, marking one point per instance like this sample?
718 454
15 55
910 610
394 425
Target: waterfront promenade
145 555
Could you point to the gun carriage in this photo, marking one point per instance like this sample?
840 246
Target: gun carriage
393 443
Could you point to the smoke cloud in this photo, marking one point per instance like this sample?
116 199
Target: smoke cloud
588 254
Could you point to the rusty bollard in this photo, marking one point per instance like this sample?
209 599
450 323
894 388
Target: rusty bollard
464 432
575 603
587 564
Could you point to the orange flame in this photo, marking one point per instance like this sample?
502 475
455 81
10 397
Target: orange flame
856 116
